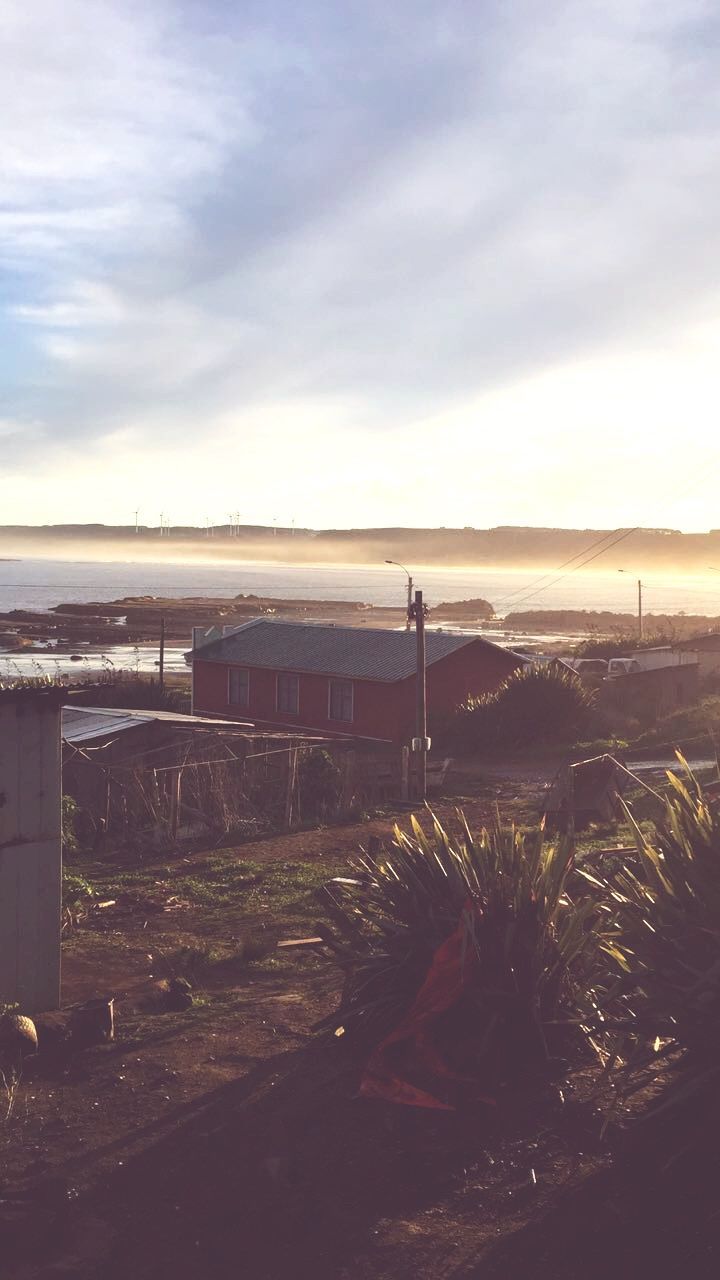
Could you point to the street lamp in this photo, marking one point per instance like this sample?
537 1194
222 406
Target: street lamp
640 611
409 590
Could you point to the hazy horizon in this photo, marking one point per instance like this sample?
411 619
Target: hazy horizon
509 550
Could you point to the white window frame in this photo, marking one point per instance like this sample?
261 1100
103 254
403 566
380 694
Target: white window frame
341 719
241 705
286 711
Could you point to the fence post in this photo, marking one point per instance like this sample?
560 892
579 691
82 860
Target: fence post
405 773
348 782
175 803
290 793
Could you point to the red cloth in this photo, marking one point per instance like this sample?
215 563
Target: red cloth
452 968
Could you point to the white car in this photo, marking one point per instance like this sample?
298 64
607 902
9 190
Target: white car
622 667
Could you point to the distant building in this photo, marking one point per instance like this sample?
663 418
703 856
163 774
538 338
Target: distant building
664 655
344 681
652 692
705 650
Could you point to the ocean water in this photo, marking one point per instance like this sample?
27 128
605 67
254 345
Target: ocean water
41 584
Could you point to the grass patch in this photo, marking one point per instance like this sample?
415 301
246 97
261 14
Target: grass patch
222 885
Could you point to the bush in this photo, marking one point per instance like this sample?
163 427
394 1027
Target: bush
667 919
69 834
77 896
687 724
132 692
534 705
528 951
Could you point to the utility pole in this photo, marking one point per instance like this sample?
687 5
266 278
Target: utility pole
162 652
162 524
421 742
640 606
409 617
137 528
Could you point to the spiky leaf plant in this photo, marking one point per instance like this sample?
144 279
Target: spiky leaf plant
532 949
667 917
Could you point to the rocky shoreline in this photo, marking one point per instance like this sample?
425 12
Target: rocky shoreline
138 619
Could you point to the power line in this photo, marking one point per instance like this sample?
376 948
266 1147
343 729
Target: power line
625 534
695 483
549 574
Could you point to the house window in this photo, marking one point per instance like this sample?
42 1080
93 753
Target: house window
341 700
288 693
239 687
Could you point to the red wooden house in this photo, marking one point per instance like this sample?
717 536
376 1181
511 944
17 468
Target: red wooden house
338 680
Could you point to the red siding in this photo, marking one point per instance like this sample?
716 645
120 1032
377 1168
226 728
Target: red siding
381 709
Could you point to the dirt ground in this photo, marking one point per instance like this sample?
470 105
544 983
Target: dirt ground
228 1140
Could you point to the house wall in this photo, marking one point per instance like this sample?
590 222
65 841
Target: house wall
652 693
382 710
707 655
30 850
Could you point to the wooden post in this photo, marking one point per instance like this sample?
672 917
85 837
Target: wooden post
175 802
404 773
290 792
162 652
421 699
348 781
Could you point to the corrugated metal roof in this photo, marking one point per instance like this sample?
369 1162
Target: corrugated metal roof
352 652
82 724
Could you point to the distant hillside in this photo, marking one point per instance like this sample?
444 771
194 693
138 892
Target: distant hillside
592 622
506 546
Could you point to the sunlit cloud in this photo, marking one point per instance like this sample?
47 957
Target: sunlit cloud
433 263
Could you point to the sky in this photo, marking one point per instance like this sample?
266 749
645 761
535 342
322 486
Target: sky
355 263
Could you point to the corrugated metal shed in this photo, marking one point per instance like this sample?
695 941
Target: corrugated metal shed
352 652
83 724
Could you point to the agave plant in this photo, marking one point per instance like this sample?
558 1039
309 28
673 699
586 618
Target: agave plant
667 921
528 950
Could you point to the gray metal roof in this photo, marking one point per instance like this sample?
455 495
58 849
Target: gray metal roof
82 724
352 652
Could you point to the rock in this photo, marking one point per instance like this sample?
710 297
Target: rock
174 995
18 1034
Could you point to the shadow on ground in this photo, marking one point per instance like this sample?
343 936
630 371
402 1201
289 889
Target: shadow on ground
286 1173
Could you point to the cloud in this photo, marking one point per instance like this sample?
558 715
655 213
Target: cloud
390 211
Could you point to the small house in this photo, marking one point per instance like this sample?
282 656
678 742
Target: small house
341 681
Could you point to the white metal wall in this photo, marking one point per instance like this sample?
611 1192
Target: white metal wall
30 849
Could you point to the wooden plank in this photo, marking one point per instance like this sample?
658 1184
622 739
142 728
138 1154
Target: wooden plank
300 942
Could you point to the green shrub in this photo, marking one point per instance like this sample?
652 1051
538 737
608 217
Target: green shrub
534 705
69 834
667 922
687 724
531 949
77 895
